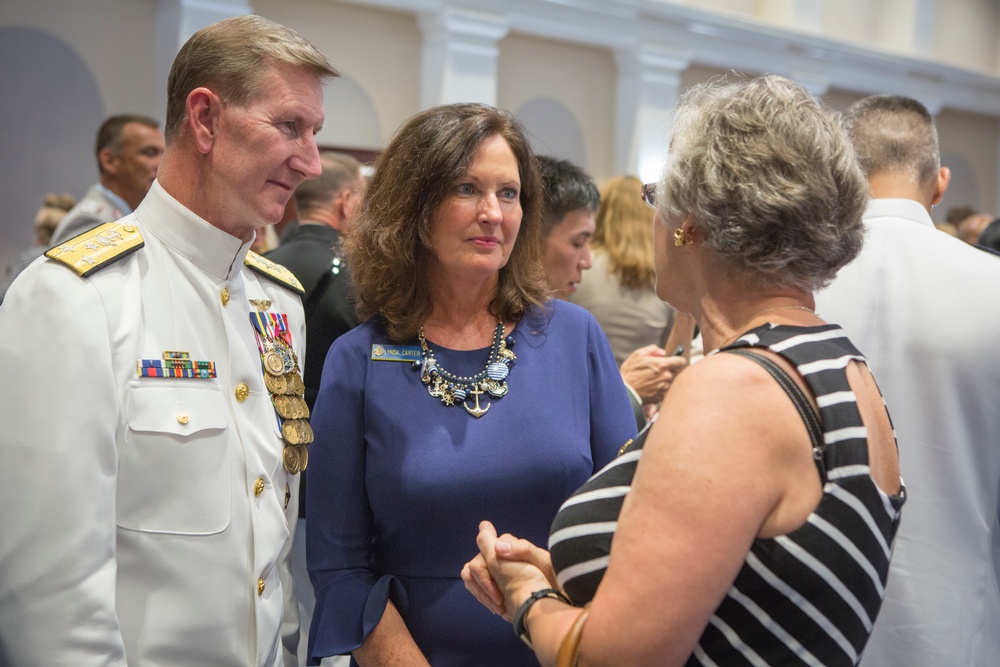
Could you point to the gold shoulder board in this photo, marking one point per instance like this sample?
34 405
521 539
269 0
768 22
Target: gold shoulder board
275 272
101 246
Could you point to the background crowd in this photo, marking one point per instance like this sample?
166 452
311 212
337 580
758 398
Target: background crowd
476 354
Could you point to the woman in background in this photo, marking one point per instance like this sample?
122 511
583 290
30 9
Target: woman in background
54 209
619 289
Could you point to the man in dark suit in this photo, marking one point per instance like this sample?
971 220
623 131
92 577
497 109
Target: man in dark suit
311 250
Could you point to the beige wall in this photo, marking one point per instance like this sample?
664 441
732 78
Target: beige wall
966 33
581 78
94 29
850 20
379 50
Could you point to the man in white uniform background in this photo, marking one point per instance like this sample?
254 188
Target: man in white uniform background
129 148
924 308
152 402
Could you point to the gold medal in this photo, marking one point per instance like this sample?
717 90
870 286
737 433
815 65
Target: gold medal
307 433
276 384
292 459
290 432
273 363
304 457
296 386
283 406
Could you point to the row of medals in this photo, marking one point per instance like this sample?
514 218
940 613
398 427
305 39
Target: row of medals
283 380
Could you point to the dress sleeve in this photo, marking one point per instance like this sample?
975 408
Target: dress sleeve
59 410
350 594
612 420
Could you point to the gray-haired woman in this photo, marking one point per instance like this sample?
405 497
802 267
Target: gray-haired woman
755 530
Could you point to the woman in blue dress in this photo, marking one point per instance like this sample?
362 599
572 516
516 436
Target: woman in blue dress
466 394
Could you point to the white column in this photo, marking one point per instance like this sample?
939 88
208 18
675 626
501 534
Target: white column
460 56
907 26
649 82
804 15
176 21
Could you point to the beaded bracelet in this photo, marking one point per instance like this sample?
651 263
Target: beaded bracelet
520 629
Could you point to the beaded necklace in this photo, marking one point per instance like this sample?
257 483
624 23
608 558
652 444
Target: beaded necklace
453 389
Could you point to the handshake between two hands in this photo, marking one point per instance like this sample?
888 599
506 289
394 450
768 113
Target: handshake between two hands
507 571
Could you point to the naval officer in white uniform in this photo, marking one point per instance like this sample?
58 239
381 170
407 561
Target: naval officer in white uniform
153 421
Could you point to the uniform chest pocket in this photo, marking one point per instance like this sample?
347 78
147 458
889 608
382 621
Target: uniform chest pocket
174 473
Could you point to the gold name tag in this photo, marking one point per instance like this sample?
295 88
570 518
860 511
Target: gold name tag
396 352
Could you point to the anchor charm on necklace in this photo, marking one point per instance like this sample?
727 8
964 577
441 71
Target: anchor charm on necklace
477 411
452 389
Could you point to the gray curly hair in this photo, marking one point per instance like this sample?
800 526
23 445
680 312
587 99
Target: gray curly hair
770 178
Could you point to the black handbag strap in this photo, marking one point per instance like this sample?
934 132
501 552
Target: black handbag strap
798 398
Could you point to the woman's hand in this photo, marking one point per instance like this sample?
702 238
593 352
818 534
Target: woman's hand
650 372
506 571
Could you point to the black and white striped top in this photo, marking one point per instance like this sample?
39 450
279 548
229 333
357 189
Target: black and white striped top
806 598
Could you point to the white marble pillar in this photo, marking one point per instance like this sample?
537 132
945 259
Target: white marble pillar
804 15
649 82
907 26
176 21
460 56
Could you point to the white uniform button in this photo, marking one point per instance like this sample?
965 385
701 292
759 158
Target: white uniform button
258 487
225 297
260 587
242 391
183 418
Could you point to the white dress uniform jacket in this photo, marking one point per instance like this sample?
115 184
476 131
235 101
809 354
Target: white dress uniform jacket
924 308
145 519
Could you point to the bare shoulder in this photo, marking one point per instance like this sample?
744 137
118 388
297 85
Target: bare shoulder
730 410
729 423
721 377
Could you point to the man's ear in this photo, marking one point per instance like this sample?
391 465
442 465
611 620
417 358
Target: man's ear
204 108
943 178
108 161
342 204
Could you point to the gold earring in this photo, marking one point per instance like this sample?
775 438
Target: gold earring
680 238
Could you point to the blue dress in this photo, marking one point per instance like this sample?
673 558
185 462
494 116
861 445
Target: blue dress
398 482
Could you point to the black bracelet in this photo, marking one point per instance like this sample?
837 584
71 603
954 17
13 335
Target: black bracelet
520 629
